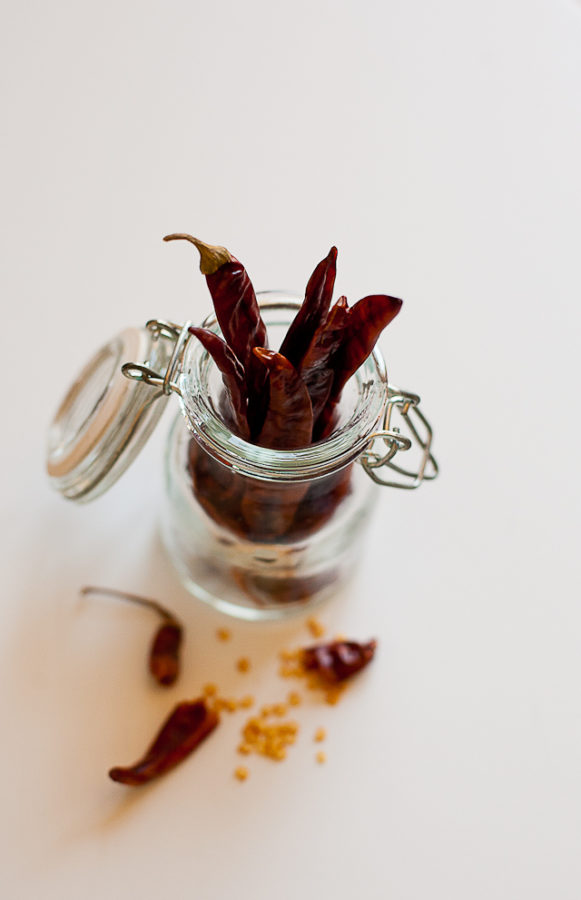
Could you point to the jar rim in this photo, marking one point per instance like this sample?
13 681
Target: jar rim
329 455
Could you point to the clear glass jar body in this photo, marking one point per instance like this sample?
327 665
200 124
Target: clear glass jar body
261 533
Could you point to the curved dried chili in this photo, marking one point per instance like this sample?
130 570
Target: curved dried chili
185 728
232 375
312 313
164 653
338 660
238 315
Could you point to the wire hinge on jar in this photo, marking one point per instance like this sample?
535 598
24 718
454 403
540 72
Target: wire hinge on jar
180 335
407 405
393 440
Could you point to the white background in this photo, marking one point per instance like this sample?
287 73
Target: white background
438 145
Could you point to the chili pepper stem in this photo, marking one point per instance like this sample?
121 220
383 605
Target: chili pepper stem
211 258
132 598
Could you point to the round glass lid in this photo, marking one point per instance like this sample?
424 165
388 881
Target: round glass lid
105 418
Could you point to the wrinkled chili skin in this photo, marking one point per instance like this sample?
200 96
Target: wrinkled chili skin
316 368
313 310
336 661
185 728
164 656
288 422
239 318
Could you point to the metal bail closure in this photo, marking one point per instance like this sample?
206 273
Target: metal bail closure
407 406
112 408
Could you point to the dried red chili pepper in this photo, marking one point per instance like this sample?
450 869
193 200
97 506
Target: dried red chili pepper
218 489
365 322
338 660
232 375
185 728
238 315
316 368
313 310
288 423
164 659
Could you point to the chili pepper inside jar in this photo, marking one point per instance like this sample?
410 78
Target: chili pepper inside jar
255 531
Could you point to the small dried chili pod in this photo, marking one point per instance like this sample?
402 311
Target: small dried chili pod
232 374
164 654
185 728
238 315
313 310
338 660
288 423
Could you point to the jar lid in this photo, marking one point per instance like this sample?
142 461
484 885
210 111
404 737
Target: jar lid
105 418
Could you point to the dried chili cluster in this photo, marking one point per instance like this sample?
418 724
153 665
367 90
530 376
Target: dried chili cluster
286 399
283 399
267 732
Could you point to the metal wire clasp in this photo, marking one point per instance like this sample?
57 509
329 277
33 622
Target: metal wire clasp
394 441
180 335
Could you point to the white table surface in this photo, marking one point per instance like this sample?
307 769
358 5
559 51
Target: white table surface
439 146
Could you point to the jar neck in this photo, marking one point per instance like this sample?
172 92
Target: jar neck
359 412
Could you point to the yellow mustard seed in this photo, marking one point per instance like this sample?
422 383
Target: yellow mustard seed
320 735
320 757
241 773
243 664
223 634
315 627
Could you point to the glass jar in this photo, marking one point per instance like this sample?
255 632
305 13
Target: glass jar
256 532
260 532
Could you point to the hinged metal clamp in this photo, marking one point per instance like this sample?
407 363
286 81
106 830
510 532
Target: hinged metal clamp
180 335
393 441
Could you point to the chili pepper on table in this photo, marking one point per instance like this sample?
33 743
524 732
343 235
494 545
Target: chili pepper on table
338 660
164 654
313 310
238 315
232 375
185 728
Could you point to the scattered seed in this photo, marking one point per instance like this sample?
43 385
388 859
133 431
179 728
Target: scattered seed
320 757
315 627
223 634
294 699
241 773
243 664
320 735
